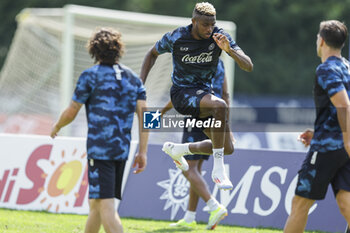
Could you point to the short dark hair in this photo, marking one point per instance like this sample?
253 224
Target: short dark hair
203 8
334 33
106 46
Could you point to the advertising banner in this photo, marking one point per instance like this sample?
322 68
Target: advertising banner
39 173
264 183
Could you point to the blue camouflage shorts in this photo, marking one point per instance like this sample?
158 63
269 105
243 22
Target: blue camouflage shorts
186 100
320 169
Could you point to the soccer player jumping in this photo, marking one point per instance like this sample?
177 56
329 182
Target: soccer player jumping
198 186
195 50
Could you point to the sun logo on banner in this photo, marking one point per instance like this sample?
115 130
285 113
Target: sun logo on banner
176 192
64 179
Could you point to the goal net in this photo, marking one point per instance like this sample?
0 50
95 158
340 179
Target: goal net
48 54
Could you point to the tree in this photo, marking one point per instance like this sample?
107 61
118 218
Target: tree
278 35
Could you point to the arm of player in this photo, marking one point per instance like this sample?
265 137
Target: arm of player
167 107
148 62
67 116
341 101
140 161
243 61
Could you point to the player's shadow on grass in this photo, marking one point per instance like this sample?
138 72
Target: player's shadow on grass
171 229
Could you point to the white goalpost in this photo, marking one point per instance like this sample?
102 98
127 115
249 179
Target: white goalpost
48 54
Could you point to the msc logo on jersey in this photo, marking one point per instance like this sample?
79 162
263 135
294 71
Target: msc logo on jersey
151 120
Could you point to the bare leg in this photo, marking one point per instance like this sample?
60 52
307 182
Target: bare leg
343 200
211 105
220 142
297 220
205 146
199 187
93 222
193 200
110 217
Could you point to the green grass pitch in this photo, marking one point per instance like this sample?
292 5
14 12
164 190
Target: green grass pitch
12 221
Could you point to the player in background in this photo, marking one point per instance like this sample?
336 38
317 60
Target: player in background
111 93
195 50
198 186
327 161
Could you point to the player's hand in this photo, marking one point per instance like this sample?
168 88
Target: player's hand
140 162
222 41
54 131
306 137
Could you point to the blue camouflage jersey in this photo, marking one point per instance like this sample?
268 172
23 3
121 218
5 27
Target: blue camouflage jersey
332 76
194 61
218 79
110 94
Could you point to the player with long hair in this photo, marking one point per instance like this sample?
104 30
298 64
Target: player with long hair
111 93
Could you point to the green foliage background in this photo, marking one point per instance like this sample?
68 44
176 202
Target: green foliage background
279 35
